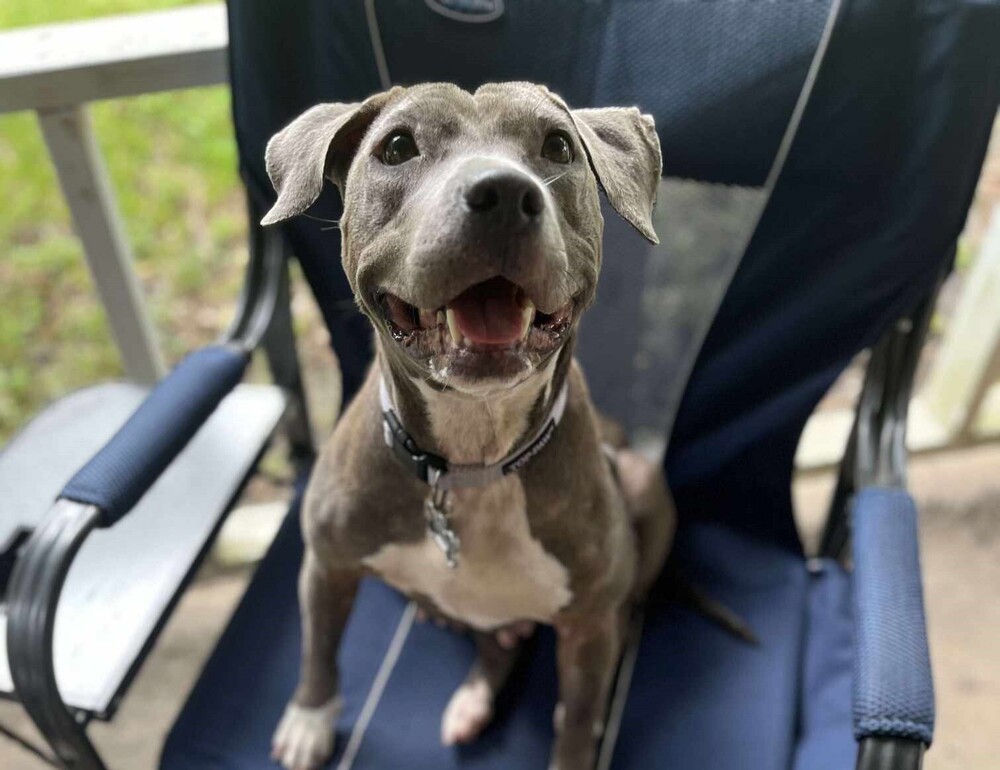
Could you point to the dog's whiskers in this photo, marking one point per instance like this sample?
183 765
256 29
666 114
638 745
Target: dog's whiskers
555 178
335 223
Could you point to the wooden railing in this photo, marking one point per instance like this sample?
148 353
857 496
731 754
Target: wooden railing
56 70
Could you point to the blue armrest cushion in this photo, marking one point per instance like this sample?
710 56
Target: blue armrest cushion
893 690
119 474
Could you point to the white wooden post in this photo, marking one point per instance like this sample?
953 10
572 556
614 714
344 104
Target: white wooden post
971 345
84 180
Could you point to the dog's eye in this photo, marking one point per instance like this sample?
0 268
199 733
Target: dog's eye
557 148
399 148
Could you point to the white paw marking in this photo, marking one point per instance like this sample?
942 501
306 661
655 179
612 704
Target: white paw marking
468 712
304 738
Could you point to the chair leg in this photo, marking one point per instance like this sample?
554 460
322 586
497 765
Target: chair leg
890 754
267 276
279 347
68 739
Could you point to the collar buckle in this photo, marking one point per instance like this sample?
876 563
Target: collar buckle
426 466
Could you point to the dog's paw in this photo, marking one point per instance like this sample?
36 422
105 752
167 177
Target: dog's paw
304 738
468 713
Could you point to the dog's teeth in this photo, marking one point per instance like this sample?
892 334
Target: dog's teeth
439 320
527 318
456 333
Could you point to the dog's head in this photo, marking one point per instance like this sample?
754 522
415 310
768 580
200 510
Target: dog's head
471 226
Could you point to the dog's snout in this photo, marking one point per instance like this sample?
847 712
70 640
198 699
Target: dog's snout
505 194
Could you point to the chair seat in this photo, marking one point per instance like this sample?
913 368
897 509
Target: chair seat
698 697
125 578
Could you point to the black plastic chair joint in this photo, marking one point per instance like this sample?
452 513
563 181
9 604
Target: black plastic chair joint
890 754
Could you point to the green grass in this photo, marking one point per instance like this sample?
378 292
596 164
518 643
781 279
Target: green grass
172 160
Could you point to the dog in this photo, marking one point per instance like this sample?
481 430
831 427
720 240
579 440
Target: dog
471 471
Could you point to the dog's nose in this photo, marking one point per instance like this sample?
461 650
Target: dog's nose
505 194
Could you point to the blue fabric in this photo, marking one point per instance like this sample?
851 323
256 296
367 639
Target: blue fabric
860 225
119 475
699 697
825 738
893 691
703 699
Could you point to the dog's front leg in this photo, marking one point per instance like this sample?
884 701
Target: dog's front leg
304 738
588 650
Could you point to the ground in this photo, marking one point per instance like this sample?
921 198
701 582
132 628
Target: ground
959 495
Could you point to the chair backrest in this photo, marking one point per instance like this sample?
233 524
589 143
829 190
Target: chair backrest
820 156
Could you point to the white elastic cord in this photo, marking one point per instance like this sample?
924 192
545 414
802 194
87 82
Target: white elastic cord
378 687
800 106
381 64
623 684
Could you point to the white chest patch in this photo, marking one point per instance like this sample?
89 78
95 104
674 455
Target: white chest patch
503 575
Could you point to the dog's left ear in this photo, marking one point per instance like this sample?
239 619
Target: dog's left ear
318 144
624 152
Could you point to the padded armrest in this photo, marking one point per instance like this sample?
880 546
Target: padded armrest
893 690
120 473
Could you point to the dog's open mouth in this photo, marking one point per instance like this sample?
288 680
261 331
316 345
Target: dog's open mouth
491 319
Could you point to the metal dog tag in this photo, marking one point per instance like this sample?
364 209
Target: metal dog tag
436 509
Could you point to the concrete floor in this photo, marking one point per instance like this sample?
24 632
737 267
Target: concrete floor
960 501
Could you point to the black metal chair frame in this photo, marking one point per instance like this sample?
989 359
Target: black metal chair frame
263 321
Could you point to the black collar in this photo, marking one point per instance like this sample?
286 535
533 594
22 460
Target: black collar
438 472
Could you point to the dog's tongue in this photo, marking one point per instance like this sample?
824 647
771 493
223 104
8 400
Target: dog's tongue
489 312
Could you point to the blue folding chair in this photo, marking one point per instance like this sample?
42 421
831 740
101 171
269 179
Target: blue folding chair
819 160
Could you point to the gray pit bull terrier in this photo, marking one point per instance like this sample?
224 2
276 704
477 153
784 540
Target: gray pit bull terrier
471 472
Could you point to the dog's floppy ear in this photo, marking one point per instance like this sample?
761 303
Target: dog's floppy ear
319 143
624 152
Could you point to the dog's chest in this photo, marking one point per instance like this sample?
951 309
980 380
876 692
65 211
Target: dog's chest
504 574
